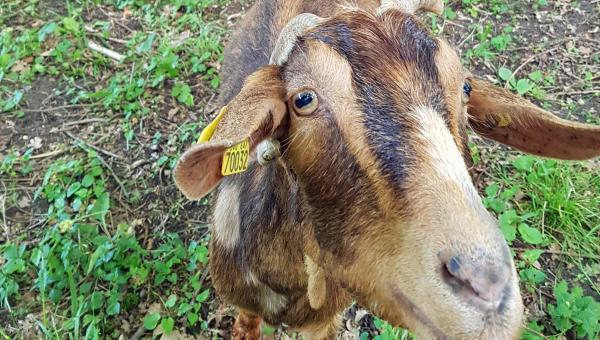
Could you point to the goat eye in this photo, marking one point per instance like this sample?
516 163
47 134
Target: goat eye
305 103
467 89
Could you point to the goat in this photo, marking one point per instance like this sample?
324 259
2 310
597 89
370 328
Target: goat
368 195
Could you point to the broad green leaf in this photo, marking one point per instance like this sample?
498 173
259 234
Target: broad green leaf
510 193
85 288
523 86
524 163
97 255
203 296
561 291
114 307
532 275
192 318
87 181
147 44
5 59
13 101
268 330
71 25
12 252
530 335
96 300
492 190
151 321
49 28
215 82
509 232
531 256
507 224
170 303
101 207
167 325
95 171
536 75
530 235
449 13
13 265
184 308
73 188
504 73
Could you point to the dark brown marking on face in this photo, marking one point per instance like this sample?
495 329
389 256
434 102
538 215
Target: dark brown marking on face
393 62
341 203
262 206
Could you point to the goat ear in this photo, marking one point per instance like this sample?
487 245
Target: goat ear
498 114
253 115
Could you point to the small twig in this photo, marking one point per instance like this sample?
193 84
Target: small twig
107 52
99 35
558 252
49 154
204 275
572 93
114 175
535 332
85 121
138 334
449 22
121 24
138 163
467 38
108 153
544 218
58 108
4 224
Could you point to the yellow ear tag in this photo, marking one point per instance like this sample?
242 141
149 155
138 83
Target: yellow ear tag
235 159
504 119
209 131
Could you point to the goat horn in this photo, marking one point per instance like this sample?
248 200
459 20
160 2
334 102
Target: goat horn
411 6
288 37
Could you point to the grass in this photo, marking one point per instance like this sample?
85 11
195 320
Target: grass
549 211
97 243
86 267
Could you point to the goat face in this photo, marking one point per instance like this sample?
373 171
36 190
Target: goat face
371 112
380 162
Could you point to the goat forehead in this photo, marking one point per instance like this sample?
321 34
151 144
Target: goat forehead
392 71
391 48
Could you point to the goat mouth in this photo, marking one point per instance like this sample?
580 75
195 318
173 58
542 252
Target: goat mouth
404 303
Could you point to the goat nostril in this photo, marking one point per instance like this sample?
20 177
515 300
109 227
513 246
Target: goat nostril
484 282
493 277
453 265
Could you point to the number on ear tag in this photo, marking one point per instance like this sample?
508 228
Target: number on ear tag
235 159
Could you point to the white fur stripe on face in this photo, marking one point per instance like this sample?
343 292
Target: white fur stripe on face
226 228
444 156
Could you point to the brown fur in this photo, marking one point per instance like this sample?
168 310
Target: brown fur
246 327
371 198
246 52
